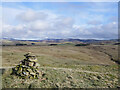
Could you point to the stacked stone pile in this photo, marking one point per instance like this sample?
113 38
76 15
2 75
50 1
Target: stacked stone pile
28 68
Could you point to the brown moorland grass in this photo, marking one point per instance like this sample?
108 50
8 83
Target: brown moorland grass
49 55
64 66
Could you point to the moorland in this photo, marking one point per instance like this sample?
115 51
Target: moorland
70 64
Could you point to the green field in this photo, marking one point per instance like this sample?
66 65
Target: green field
65 66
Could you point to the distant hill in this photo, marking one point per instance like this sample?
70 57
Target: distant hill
70 40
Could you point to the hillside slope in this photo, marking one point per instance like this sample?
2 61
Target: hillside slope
59 55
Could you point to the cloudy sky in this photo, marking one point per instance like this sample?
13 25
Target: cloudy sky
37 20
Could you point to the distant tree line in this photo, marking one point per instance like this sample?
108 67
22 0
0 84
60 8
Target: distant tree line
53 44
21 44
82 44
24 44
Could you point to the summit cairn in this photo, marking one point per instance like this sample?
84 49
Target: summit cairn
28 68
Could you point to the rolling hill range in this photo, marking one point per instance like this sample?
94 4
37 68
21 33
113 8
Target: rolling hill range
11 41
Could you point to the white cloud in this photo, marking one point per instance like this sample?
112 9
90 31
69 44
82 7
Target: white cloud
30 15
0 29
9 14
31 24
43 30
0 21
39 25
94 22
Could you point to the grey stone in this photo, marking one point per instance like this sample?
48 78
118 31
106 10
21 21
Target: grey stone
28 67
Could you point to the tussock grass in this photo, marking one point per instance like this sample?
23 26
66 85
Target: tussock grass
65 77
56 55
64 66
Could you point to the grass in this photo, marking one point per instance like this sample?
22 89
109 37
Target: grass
65 77
64 66
56 55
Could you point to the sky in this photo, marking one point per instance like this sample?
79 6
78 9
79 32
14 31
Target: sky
60 20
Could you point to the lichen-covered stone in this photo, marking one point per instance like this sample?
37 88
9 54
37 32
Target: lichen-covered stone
28 68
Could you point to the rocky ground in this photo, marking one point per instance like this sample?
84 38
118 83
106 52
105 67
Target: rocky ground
81 77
